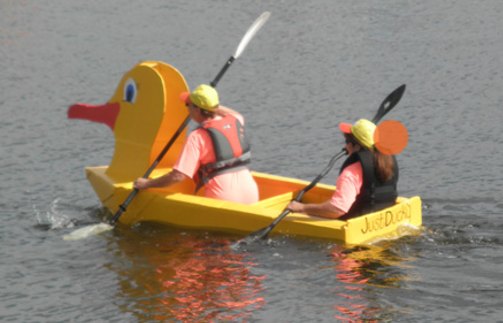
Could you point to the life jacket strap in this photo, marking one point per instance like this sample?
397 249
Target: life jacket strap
210 170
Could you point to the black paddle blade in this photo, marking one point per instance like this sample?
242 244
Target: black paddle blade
389 103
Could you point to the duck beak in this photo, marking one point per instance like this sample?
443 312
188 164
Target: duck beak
106 113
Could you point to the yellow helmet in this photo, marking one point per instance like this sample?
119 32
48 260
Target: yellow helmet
363 130
204 96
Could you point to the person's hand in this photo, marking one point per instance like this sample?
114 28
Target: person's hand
295 206
141 183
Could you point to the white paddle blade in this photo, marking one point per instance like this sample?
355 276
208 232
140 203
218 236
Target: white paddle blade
87 231
254 28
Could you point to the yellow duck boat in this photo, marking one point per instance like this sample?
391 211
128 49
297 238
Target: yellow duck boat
144 113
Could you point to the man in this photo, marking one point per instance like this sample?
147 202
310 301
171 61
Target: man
367 180
215 155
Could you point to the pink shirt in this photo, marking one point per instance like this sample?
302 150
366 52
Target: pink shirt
238 186
348 186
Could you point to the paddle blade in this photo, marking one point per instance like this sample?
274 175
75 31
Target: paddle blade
389 103
87 231
254 28
253 237
264 232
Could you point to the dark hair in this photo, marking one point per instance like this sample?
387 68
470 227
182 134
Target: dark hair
383 164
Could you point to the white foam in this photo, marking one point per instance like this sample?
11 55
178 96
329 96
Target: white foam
87 231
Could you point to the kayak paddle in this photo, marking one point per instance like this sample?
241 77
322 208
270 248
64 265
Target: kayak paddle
385 107
101 227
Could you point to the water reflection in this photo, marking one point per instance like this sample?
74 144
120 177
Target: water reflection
188 277
364 271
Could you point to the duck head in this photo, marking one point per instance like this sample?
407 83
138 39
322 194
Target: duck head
144 113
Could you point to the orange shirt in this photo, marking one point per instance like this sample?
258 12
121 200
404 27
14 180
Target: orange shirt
348 186
238 186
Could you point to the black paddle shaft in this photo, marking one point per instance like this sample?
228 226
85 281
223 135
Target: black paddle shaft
222 71
134 192
389 103
131 196
242 45
385 107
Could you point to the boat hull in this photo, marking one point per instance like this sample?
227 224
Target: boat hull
177 206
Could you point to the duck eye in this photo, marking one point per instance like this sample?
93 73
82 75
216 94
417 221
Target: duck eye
130 91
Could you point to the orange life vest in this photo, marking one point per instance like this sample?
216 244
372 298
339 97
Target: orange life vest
231 147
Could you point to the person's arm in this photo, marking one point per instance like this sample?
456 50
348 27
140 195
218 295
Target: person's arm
348 186
325 209
168 179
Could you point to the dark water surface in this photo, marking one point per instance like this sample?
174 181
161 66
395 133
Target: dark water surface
314 64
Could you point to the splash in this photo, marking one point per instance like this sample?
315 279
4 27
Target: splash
53 218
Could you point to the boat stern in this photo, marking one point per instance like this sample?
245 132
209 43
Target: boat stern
391 223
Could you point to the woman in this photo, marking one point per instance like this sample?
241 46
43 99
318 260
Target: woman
215 155
367 180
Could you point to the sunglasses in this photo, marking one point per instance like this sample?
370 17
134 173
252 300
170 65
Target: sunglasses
348 140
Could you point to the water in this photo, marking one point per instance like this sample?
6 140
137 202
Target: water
314 64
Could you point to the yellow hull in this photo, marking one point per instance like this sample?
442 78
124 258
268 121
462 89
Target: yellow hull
178 207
